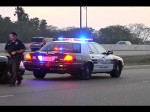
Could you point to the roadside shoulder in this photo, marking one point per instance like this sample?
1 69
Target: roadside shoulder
137 67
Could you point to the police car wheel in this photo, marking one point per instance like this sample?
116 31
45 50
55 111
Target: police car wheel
116 72
86 73
39 74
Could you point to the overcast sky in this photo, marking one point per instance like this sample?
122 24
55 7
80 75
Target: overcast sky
98 17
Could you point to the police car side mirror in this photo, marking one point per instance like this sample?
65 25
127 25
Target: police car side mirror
109 52
104 53
90 52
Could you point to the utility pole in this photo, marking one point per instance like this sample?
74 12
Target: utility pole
80 17
86 16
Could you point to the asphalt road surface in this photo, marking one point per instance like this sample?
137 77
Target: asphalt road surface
132 88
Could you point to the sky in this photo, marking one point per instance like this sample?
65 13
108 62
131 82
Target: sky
98 17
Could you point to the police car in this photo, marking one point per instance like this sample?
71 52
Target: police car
76 56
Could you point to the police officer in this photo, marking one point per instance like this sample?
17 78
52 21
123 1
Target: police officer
14 50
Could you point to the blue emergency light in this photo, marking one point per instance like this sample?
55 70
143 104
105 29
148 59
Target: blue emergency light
60 38
83 37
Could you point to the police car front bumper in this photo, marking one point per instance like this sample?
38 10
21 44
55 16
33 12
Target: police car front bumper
54 67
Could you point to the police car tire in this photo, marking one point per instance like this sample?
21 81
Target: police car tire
86 73
74 75
39 74
116 72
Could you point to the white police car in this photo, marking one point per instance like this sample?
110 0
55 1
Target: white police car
78 57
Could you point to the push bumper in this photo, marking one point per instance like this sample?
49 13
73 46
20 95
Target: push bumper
54 67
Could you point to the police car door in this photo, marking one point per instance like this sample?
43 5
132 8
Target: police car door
105 60
95 58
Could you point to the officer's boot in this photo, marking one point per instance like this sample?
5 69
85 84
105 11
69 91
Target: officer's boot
20 78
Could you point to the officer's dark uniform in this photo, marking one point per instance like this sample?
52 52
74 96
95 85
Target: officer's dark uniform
14 61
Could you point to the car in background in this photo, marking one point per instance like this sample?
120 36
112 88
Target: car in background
124 42
49 39
38 42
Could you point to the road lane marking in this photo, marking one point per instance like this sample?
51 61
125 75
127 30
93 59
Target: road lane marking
6 96
145 81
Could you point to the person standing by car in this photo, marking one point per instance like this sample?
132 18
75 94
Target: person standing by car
14 50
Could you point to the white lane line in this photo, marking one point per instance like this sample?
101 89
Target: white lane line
145 81
6 96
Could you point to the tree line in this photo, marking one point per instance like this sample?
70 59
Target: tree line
34 27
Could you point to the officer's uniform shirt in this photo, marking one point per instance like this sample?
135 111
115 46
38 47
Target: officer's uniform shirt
14 46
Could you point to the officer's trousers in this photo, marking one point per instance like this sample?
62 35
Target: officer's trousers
13 67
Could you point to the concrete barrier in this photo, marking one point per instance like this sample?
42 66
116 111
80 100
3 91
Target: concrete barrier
128 50
117 49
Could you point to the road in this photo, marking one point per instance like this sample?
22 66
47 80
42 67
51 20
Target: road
132 88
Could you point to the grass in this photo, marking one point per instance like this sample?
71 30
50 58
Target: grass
136 60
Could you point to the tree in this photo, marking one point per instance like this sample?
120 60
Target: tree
6 26
22 22
52 31
43 25
27 28
35 23
140 31
21 15
113 34
146 34
75 32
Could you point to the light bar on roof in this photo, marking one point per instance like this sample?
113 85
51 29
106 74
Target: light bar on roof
83 39
75 39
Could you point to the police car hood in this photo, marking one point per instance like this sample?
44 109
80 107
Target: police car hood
117 58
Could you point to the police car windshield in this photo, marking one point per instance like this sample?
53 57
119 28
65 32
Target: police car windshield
63 47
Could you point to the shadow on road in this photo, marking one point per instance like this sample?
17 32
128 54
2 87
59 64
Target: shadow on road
69 78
